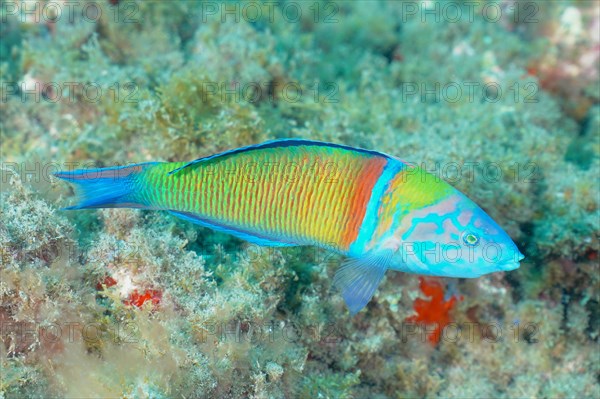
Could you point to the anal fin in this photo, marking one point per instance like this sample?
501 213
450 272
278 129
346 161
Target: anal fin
358 278
239 233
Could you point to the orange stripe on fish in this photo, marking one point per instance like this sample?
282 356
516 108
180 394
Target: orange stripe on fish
362 193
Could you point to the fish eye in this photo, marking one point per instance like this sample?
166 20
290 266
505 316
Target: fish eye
470 239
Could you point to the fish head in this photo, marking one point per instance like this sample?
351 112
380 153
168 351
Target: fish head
456 238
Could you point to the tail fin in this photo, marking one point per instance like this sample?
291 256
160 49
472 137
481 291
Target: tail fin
106 187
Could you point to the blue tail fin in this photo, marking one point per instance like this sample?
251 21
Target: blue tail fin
106 187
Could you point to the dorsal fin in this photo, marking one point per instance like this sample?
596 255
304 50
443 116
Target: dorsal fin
279 143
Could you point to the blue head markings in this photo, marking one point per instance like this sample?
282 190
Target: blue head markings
454 238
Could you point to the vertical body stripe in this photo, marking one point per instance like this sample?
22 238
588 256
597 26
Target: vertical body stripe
371 217
410 190
366 181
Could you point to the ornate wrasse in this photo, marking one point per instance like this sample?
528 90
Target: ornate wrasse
377 210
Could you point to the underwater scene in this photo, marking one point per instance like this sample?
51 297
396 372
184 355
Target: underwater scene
299 199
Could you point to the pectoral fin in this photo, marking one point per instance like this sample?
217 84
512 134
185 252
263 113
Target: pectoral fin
358 278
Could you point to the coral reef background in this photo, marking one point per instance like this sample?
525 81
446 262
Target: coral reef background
502 99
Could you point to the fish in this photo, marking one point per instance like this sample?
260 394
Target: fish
379 212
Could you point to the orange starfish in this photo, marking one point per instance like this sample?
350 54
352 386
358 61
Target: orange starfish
434 311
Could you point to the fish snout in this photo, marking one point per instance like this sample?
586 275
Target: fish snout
513 262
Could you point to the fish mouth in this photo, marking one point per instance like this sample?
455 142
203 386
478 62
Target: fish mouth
510 266
513 264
